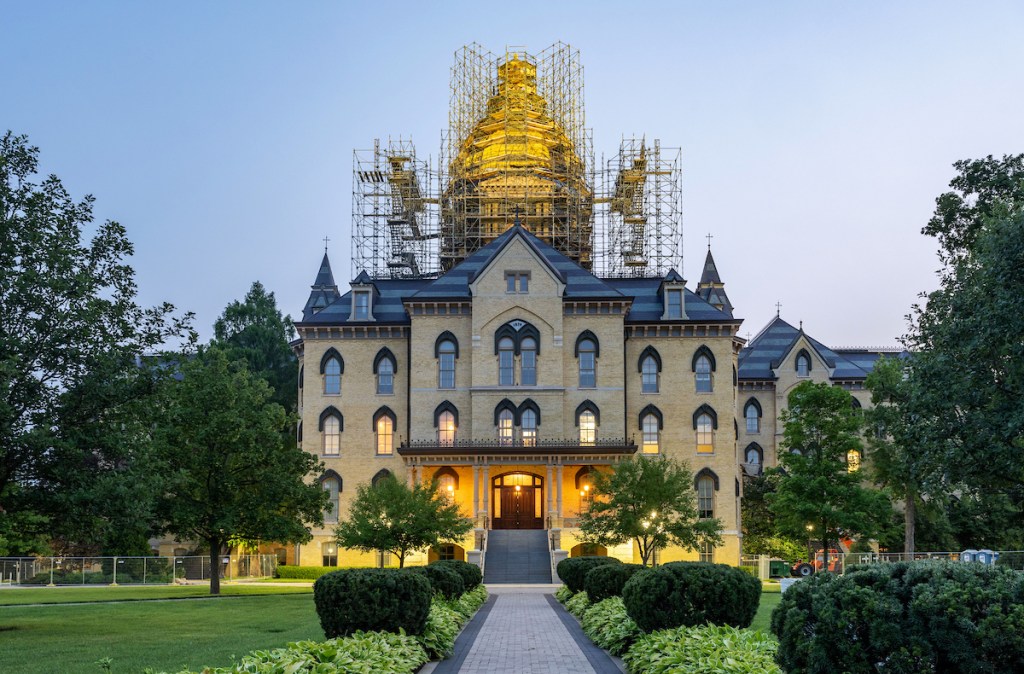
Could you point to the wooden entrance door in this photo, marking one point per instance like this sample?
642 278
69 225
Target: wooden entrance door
518 509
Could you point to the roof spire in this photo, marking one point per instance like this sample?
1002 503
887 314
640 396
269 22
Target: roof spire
324 289
711 287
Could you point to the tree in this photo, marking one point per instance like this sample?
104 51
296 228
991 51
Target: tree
649 500
968 363
390 516
818 490
230 474
253 330
67 310
761 535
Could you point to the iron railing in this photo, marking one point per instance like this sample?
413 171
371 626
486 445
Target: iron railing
601 445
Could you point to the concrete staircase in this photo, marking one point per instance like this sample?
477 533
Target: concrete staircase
517 556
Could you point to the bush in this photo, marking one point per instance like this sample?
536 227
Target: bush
578 604
607 580
947 617
444 580
608 626
438 638
303 572
707 648
470 573
470 602
563 594
686 594
573 570
372 599
1013 560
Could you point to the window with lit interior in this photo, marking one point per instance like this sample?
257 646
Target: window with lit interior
588 428
446 428
528 426
652 441
705 434
505 427
385 435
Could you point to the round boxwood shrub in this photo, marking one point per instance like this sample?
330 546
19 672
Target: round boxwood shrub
685 594
443 580
470 573
372 599
606 581
929 616
573 570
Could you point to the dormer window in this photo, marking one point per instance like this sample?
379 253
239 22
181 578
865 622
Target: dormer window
674 303
803 364
517 282
361 305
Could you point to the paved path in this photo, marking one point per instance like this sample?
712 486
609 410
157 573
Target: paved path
522 629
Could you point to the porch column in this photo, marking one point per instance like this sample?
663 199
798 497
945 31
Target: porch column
551 498
485 474
558 486
412 476
476 491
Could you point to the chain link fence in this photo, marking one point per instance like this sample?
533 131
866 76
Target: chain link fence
48 571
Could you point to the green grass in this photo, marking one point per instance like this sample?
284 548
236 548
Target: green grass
763 618
158 634
61 595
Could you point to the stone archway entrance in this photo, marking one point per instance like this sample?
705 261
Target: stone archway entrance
518 501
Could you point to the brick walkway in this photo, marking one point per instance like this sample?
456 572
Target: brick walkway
523 632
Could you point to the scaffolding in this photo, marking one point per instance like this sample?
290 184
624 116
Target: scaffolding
639 211
394 212
517 149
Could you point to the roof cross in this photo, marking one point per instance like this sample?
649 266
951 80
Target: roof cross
778 308
709 237
326 239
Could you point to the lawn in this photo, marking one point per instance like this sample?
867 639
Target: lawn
61 595
164 635
763 618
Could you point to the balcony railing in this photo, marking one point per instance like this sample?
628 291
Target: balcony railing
496 446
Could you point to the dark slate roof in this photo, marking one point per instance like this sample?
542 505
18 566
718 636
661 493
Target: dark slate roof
772 345
710 273
324 277
578 281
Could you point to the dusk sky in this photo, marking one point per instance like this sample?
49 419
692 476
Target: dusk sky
815 136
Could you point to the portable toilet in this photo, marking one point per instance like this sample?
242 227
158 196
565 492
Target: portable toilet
969 556
986 557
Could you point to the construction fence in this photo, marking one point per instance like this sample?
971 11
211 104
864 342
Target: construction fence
49 571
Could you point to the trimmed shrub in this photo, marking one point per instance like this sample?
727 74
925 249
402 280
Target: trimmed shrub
470 573
610 627
372 599
573 570
563 594
578 605
438 638
444 581
707 648
303 572
686 594
949 617
607 580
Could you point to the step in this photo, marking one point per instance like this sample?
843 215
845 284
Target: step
517 556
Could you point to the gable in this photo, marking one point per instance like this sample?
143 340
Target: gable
517 257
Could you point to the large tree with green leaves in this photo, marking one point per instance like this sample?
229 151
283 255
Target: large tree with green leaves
390 516
67 312
818 491
254 330
968 362
229 474
648 500
761 536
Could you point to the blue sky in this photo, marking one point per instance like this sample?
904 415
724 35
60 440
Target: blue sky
815 135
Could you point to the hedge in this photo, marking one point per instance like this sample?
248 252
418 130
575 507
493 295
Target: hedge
304 572
929 616
706 648
372 599
607 580
443 580
573 570
470 573
686 594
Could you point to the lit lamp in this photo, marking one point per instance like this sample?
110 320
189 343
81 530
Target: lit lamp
451 491
518 488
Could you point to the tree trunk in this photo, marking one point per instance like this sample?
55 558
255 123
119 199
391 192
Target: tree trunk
824 549
401 559
214 566
909 524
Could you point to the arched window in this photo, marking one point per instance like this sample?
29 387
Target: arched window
588 428
528 362
506 362
652 443
382 474
505 426
803 363
705 434
754 455
331 426
587 353
446 428
703 370
384 428
447 350
384 366
649 376
447 482
332 367
752 413
331 483
852 461
705 497
528 425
